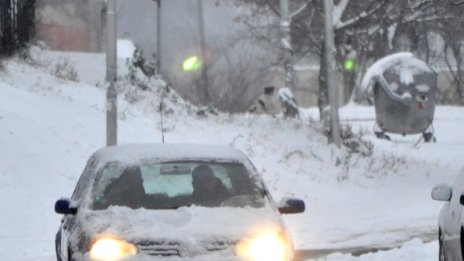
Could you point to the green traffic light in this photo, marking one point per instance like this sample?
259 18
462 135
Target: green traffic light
349 65
191 64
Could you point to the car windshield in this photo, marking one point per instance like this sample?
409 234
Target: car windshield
171 185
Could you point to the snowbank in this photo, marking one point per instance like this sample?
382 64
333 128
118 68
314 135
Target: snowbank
126 48
411 251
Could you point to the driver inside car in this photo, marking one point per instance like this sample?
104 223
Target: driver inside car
127 190
208 190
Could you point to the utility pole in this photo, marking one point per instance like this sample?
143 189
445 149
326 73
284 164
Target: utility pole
111 73
204 62
158 31
330 61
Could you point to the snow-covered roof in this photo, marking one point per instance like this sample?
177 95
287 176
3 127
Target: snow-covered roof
132 153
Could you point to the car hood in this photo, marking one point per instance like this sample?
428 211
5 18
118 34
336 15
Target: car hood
186 224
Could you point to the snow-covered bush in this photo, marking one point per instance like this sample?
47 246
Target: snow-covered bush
355 142
289 106
354 165
144 84
143 81
31 55
204 111
151 92
141 71
387 163
26 54
64 69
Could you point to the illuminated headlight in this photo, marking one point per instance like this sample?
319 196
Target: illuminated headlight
268 245
111 249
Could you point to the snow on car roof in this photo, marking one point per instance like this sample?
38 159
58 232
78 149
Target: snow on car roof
131 153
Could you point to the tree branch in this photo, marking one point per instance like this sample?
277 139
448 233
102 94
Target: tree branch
299 10
421 4
338 10
273 8
457 3
363 15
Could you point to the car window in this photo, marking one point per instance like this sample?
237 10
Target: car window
84 180
220 172
112 171
175 184
169 185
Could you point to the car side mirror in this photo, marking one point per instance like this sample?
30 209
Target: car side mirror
63 206
443 192
291 206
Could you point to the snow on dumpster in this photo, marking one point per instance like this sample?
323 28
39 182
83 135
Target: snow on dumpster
404 89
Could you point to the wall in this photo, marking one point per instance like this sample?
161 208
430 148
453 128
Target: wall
70 25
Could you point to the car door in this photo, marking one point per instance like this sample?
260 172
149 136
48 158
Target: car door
453 221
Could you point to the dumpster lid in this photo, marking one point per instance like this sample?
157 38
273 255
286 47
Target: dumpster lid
404 64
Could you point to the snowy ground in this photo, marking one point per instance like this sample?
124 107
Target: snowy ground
50 126
410 251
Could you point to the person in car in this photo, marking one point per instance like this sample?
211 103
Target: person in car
127 190
208 190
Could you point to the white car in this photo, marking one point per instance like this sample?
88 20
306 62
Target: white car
451 219
172 202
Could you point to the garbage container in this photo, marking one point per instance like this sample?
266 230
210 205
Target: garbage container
404 96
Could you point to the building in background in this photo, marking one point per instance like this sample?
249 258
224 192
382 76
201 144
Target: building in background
71 25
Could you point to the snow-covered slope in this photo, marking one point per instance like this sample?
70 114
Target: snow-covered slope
50 126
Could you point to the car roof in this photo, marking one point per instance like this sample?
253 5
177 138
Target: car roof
129 153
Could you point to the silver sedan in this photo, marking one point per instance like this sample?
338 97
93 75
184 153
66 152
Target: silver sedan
173 202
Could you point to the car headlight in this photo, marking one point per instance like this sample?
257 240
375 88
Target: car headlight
267 245
111 249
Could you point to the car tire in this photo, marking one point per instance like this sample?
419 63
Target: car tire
70 255
462 243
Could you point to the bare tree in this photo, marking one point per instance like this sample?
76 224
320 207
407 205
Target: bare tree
307 27
236 69
451 30
17 25
236 75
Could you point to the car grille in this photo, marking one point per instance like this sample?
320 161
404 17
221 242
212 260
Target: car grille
218 246
166 249
159 248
